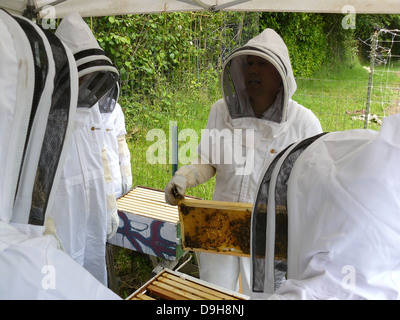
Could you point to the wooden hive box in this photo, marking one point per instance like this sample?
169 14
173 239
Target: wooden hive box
148 224
174 285
215 226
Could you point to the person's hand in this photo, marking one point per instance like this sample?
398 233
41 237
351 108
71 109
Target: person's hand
112 225
175 189
126 184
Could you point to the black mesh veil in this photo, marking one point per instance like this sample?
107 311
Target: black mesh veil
109 100
259 228
234 87
274 180
56 129
98 80
41 65
49 119
41 62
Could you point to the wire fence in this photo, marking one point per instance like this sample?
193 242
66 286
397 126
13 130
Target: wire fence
383 84
387 55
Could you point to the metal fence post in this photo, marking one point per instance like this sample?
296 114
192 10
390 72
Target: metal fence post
174 149
374 45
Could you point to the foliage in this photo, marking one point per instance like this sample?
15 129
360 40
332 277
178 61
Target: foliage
180 47
341 46
313 40
304 36
368 23
157 54
170 62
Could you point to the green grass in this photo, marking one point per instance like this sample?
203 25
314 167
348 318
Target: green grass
190 113
339 97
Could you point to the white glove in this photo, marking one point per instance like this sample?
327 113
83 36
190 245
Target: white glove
125 164
112 225
126 184
175 189
187 177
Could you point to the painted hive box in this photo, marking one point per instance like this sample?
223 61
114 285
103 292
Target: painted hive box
148 224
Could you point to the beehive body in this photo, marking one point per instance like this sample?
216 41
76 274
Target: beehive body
148 224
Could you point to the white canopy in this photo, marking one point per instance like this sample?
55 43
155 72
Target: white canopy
59 8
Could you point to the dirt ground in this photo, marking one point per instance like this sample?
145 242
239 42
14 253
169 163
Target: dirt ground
393 109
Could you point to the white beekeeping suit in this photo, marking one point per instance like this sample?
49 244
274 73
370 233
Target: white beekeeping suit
85 211
342 198
38 94
237 143
117 149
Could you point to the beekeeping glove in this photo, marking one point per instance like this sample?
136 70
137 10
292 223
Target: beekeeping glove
112 224
187 177
175 189
112 211
126 182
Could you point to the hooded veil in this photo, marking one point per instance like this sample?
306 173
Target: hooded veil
269 46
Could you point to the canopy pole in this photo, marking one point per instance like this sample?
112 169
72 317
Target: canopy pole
213 8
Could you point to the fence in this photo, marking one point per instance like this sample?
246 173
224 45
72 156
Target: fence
385 50
362 102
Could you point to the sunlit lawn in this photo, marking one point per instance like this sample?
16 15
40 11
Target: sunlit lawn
339 98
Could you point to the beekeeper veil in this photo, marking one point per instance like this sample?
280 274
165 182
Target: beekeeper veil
97 76
269 46
269 225
38 94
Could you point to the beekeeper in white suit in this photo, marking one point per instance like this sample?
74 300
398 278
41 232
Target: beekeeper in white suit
37 107
343 219
256 118
85 211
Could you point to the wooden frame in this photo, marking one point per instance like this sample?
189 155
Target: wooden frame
215 226
174 285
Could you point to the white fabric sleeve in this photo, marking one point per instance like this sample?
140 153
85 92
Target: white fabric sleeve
119 123
112 210
196 173
125 164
